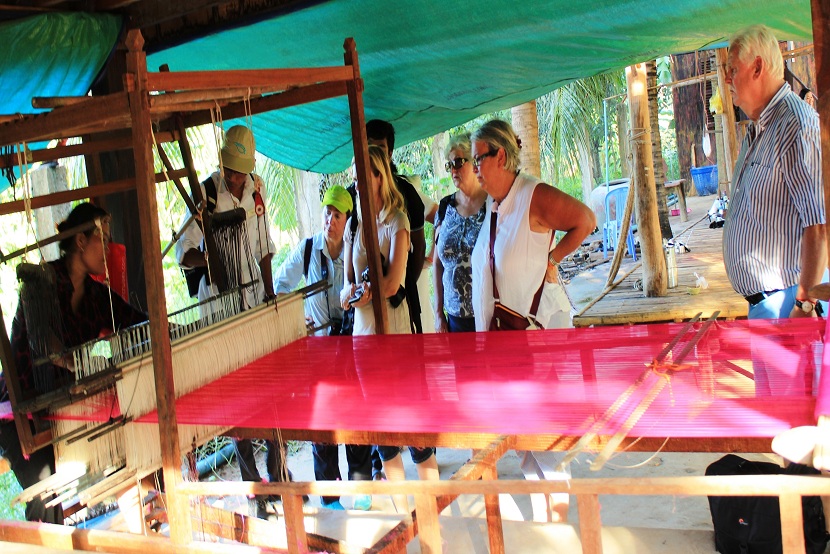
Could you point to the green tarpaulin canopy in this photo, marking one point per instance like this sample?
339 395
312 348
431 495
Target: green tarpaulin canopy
427 65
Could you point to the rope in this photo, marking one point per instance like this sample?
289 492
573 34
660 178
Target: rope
23 159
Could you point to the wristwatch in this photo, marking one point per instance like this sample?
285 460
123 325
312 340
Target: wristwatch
807 306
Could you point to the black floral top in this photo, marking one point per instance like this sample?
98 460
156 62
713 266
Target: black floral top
456 238
92 319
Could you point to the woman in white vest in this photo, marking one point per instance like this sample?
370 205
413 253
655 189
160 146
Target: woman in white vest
524 213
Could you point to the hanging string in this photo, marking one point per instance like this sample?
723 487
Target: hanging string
23 160
99 228
167 178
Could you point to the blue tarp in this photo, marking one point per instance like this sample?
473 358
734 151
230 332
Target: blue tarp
52 55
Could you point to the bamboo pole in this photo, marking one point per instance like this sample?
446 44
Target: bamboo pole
622 244
178 508
648 223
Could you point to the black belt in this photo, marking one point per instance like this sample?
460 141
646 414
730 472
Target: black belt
758 297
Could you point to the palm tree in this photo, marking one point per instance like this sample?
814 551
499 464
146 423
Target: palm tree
568 119
526 125
657 150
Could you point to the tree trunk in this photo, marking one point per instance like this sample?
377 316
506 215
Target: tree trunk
307 202
526 125
648 225
688 117
622 137
439 143
585 164
657 151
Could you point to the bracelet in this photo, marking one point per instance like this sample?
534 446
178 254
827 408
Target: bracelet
552 261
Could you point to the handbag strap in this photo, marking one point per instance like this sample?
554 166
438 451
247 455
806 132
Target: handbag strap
537 298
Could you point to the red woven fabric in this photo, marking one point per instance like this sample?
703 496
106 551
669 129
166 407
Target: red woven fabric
554 381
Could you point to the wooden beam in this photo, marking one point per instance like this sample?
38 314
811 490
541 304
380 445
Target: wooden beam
257 532
50 102
482 464
121 142
96 191
73 539
556 443
178 508
101 113
367 202
821 45
648 223
293 97
278 79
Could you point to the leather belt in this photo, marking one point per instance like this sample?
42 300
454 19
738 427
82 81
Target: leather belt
760 296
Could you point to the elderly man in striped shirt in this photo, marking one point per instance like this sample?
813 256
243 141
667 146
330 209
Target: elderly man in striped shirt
774 239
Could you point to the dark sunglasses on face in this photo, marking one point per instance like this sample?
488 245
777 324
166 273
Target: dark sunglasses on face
478 159
457 163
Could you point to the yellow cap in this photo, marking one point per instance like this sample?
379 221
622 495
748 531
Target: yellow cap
338 197
238 151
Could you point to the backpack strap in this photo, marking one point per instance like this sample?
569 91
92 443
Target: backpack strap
306 257
442 213
210 194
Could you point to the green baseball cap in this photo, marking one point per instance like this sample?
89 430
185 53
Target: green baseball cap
338 197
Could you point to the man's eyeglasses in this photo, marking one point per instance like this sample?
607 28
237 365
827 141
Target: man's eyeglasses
457 163
477 159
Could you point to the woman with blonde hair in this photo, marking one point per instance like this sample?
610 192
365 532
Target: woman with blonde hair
393 241
515 264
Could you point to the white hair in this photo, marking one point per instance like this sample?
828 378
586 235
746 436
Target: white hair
758 40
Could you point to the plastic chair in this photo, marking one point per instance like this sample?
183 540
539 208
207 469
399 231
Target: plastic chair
611 229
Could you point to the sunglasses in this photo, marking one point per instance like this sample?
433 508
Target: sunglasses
457 164
477 159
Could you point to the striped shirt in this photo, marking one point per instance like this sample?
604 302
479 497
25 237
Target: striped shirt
776 193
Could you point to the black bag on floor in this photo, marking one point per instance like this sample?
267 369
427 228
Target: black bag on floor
752 524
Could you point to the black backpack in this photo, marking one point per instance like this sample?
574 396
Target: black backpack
338 327
194 275
752 524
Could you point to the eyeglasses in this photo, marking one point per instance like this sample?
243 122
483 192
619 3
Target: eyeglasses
457 163
477 159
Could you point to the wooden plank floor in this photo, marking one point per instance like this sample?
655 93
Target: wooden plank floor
625 304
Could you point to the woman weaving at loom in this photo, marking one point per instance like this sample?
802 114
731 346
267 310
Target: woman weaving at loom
515 262
60 306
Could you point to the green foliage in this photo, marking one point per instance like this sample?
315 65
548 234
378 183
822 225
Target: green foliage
571 120
9 488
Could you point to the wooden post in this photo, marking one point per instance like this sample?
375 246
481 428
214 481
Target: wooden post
294 526
648 224
590 523
429 530
821 50
177 503
730 132
492 509
361 160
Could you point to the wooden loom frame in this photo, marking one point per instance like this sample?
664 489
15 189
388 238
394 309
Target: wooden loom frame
239 93
587 492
